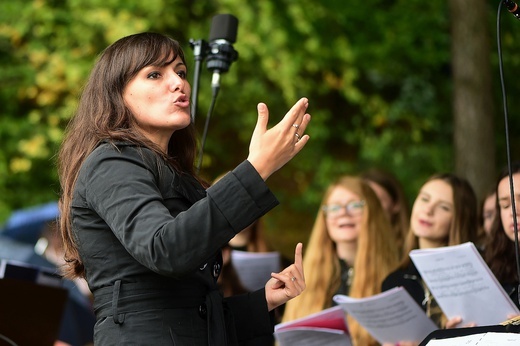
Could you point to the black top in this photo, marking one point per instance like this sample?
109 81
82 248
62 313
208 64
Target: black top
347 275
136 221
512 290
410 279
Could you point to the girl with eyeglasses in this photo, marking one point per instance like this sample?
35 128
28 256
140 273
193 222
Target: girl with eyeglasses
350 251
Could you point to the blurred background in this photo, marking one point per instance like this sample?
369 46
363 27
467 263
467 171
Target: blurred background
411 87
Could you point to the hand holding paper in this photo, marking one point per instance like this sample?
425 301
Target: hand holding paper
463 284
390 317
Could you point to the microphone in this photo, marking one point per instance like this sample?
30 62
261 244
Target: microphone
221 53
513 8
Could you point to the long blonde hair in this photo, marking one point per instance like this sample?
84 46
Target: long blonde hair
376 256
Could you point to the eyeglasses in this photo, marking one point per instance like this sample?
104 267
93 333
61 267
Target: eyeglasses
354 208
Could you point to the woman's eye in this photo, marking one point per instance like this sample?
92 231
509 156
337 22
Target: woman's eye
445 208
182 74
154 75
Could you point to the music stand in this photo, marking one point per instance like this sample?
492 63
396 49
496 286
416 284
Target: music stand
30 312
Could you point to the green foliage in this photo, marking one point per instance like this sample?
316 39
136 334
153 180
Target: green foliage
377 74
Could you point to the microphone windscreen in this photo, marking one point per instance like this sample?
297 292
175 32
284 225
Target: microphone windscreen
224 26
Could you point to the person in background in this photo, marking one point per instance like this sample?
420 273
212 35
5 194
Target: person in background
488 212
444 213
139 224
251 239
486 217
390 192
350 251
229 281
500 251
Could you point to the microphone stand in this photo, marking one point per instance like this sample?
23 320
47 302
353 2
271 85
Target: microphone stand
221 55
200 51
215 90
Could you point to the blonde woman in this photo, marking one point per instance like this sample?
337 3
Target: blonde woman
350 251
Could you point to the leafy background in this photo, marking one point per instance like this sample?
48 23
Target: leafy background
377 73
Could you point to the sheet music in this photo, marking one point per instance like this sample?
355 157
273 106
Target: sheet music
483 339
390 316
254 268
467 340
500 339
312 337
325 328
463 284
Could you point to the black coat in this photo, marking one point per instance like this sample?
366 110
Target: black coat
410 279
150 241
512 291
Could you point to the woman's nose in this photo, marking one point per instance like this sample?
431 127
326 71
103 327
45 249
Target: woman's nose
428 208
175 82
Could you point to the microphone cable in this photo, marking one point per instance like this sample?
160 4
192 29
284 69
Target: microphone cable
215 89
511 7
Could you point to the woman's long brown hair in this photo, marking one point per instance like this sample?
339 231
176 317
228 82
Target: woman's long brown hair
464 224
103 116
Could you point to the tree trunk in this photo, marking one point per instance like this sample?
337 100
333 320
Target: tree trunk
473 109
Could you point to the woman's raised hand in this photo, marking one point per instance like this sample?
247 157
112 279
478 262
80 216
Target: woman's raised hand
287 284
270 149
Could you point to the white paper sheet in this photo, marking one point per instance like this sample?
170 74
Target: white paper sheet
390 316
325 328
483 339
254 268
463 284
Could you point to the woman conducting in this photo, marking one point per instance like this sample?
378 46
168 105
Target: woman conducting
142 227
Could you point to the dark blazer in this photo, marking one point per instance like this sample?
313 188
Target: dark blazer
150 241
410 279
512 291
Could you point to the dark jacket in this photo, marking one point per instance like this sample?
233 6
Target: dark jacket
150 241
512 291
410 279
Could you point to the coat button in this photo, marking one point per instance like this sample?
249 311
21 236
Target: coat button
216 270
203 310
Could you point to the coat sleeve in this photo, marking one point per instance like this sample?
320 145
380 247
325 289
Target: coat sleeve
171 232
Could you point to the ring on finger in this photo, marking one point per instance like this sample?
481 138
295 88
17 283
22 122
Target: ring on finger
295 126
293 279
297 135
